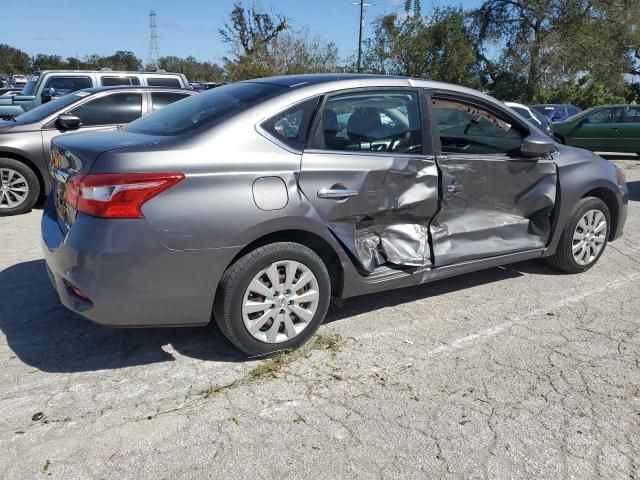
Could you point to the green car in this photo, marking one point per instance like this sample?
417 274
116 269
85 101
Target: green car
608 128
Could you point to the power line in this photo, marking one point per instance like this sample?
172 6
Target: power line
153 59
362 4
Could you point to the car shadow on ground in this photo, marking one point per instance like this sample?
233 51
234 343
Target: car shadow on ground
634 191
45 335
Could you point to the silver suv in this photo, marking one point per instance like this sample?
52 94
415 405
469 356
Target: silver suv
42 86
259 201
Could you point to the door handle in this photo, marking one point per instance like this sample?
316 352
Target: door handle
614 129
337 193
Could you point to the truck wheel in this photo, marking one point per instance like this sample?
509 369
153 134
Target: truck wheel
273 298
584 237
19 187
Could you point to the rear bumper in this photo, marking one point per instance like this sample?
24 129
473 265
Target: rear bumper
129 278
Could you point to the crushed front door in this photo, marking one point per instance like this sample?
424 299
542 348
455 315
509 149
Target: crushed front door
494 200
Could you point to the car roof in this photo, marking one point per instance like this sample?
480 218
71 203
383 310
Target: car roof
353 80
130 87
106 72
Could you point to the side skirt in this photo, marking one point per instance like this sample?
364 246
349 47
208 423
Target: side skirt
386 278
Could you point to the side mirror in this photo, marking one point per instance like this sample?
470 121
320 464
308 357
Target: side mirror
47 95
66 121
537 146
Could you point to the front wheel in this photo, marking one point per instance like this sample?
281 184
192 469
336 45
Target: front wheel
584 237
273 298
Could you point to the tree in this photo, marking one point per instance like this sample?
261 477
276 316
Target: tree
48 62
546 43
13 61
264 45
439 47
193 69
252 30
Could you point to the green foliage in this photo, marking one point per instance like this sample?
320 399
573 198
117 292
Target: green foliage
584 93
13 61
263 45
439 47
194 70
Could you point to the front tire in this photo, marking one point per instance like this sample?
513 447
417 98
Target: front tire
19 187
584 237
273 298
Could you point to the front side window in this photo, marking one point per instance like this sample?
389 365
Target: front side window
113 81
162 99
164 82
606 115
386 122
466 128
633 115
292 125
66 85
114 109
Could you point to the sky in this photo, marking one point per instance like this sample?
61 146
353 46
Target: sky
185 27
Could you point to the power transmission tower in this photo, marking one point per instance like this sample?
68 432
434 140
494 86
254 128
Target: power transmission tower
153 59
362 5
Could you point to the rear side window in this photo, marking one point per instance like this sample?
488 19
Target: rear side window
606 115
113 81
162 99
633 115
65 85
292 125
371 122
163 82
114 109
205 109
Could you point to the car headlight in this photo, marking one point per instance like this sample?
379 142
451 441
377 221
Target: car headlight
622 177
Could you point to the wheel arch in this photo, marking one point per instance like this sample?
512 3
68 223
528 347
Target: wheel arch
29 163
315 242
609 198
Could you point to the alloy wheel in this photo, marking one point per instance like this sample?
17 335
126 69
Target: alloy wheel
280 301
14 188
589 237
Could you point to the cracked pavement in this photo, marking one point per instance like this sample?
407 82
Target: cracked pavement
514 372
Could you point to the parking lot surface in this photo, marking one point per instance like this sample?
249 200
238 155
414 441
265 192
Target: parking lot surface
514 372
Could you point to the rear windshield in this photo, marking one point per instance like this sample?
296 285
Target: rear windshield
204 109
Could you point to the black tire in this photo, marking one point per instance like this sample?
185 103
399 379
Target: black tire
563 258
32 182
230 295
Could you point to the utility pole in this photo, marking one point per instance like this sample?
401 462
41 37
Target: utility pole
362 5
153 59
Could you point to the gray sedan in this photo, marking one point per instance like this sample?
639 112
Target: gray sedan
25 140
256 202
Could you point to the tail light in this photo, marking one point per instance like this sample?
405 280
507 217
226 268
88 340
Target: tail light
117 195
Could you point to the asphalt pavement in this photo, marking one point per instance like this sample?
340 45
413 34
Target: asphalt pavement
513 372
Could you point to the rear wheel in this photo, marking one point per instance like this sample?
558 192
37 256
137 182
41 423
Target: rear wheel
584 237
273 298
19 187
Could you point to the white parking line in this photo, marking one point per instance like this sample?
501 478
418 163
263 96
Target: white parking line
490 332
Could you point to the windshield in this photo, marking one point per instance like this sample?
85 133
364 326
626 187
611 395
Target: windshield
44 110
30 87
204 109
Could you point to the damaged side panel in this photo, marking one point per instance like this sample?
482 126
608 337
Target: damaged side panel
386 220
491 206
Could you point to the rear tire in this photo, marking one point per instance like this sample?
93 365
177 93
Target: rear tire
584 238
19 187
273 298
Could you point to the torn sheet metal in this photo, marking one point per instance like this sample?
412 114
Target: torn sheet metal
388 221
492 206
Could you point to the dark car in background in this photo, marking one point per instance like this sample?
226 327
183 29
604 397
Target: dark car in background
25 140
533 116
556 112
256 202
607 128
